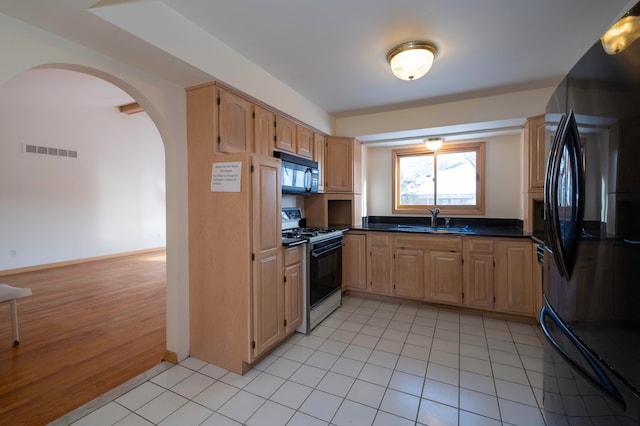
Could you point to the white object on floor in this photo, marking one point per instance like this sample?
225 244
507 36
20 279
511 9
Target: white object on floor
10 294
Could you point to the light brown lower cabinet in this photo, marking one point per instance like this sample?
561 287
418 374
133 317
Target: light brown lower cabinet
445 277
354 262
495 274
408 273
293 280
379 263
514 276
236 291
478 272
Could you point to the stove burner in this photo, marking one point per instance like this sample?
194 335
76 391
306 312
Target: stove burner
309 233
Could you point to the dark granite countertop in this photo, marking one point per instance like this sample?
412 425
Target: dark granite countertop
474 226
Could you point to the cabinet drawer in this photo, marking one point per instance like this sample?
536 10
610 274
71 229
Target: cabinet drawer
292 255
479 244
379 239
429 242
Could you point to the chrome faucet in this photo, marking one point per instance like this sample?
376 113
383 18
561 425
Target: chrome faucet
434 217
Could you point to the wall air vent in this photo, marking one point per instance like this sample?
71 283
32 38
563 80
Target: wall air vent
60 152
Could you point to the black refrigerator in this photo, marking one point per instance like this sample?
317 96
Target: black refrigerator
591 273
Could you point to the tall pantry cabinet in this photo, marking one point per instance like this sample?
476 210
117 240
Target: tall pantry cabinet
236 270
236 290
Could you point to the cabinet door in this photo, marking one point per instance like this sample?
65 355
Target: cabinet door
268 291
304 139
354 262
445 277
379 263
268 314
408 273
514 277
339 165
478 281
235 123
264 131
285 134
537 160
292 297
318 156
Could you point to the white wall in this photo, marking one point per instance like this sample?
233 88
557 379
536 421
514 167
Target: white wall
503 171
111 199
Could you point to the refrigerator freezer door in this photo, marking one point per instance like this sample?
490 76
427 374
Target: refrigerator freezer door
564 195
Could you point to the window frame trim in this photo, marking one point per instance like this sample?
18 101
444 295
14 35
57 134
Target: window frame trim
477 209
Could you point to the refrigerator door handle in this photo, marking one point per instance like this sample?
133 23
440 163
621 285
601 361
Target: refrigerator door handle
566 160
550 194
602 381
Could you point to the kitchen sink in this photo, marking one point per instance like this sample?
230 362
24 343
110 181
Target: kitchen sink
432 230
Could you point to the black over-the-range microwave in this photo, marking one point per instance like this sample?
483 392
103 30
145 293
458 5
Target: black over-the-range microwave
299 175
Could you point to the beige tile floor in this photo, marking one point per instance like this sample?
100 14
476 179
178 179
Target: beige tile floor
369 363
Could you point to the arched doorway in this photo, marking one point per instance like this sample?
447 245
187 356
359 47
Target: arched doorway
86 181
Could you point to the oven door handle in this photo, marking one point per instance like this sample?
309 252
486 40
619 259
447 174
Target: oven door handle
327 249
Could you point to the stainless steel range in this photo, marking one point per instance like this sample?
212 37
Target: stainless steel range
322 293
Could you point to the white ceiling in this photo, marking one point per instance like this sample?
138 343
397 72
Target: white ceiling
333 52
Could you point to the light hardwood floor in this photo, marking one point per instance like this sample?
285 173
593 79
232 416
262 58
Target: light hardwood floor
86 329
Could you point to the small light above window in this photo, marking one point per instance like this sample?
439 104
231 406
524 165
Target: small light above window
433 144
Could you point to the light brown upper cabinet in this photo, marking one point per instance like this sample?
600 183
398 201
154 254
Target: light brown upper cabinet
535 160
318 156
264 130
235 123
343 165
286 134
304 139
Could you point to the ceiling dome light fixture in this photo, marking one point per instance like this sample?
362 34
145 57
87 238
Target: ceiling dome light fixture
621 34
433 144
412 60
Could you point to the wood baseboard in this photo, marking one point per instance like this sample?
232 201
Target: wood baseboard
171 357
6 272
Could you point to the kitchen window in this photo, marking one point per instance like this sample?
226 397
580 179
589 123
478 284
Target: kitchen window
451 179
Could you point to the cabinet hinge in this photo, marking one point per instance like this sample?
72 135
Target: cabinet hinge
462 260
463 294
218 100
494 299
219 140
285 323
394 286
253 256
253 115
253 344
252 168
494 263
285 278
